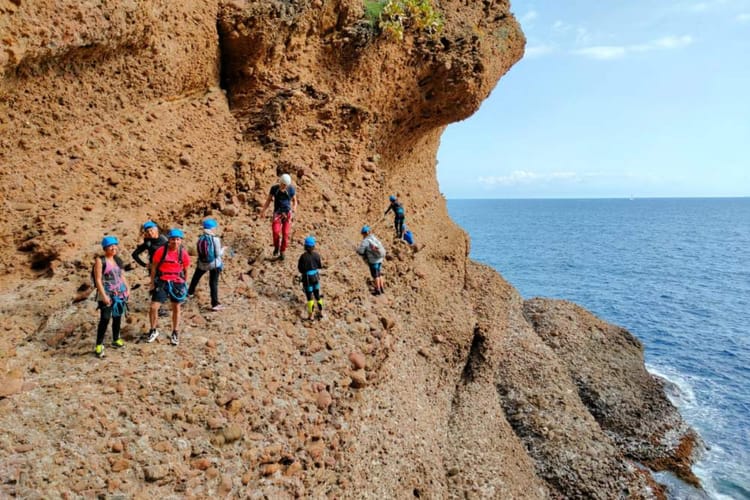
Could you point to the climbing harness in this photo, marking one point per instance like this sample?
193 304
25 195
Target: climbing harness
178 291
119 307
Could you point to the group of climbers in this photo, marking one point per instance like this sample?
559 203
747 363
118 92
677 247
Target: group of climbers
169 261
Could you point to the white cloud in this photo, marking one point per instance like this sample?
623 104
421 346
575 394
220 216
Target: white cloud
529 16
608 52
602 52
672 42
539 50
523 177
560 26
704 6
743 17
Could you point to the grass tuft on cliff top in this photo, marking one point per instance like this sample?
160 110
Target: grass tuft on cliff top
394 17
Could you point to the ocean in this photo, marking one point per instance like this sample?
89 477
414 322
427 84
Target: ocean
674 272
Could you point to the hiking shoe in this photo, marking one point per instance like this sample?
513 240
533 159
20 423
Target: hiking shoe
281 255
275 252
99 351
218 307
175 338
118 343
152 335
162 314
319 314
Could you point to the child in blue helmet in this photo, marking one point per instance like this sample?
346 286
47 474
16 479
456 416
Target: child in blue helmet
112 290
210 253
398 215
308 266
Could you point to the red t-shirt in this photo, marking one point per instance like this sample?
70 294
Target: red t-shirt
170 269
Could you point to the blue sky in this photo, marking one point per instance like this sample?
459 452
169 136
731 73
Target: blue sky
613 99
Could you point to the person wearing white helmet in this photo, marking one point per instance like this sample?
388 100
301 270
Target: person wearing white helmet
284 199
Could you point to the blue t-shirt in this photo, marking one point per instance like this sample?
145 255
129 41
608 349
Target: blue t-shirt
282 200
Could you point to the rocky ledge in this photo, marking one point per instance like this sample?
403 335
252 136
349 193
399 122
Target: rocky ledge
447 386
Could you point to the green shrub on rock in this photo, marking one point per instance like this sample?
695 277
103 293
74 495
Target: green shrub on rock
393 17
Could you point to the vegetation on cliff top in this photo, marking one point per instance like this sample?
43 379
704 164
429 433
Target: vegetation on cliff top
393 17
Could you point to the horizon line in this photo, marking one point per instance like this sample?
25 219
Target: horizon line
738 197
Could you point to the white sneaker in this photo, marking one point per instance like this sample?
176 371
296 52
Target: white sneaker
152 336
175 339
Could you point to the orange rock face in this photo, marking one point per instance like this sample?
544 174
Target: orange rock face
114 113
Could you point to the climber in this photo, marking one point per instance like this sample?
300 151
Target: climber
373 252
284 206
152 240
112 292
309 266
398 215
210 253
168 271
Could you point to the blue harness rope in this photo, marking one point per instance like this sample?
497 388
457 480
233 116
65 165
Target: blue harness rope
119 306
180 294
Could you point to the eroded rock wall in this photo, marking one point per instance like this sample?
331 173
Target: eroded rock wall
112 113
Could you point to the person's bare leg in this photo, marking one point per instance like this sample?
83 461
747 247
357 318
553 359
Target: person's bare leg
153 314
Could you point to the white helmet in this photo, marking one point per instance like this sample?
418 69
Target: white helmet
285 179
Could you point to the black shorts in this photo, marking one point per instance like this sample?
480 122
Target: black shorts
375 269
161 293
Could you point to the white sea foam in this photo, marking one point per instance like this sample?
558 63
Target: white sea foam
677 386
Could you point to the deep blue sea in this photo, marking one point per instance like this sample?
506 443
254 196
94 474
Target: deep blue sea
674 272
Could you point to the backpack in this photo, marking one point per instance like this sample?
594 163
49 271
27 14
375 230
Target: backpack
400 211
377 248
206 249
409 237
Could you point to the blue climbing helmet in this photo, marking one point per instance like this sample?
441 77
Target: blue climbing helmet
175 233
392 197
148 225
108 241
210 224
310 241
365 229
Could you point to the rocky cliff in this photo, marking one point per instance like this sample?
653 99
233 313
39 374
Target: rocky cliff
449 385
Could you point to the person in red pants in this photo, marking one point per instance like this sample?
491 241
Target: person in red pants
284 206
